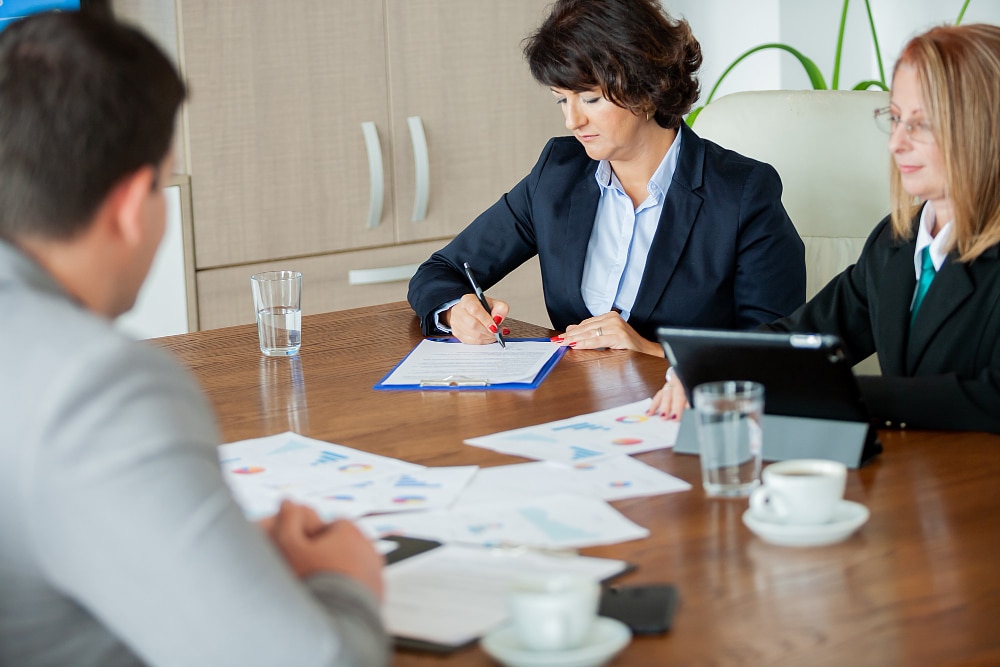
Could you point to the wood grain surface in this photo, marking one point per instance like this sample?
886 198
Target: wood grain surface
917 585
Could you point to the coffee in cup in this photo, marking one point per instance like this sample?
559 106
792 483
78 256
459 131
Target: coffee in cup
800 491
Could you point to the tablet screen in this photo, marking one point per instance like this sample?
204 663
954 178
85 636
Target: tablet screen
804 375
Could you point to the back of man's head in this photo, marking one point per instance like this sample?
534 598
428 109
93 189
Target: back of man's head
84 101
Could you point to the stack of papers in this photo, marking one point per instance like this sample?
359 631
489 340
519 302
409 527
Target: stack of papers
496 523
447 364
450 596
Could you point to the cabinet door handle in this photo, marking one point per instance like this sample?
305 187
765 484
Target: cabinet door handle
386 274
377 185
421 163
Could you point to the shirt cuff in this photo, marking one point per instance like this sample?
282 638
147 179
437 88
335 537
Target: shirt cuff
437 316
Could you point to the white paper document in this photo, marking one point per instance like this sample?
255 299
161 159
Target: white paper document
559 521
334 480
454 594
434 362
614 478
622 430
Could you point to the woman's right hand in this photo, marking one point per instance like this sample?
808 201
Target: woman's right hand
470 323
670 401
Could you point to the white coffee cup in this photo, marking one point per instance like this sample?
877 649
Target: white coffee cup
800 491
553 612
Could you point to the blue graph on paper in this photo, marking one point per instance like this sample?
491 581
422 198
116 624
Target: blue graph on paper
583 453
290 446
410 481
582 426
328 457
556 531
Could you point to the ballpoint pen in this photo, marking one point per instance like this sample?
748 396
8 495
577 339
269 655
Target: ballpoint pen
482 298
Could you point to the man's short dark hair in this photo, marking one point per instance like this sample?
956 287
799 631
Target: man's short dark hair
632 50
84 101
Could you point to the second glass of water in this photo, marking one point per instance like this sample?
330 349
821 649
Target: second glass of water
730 436
277 302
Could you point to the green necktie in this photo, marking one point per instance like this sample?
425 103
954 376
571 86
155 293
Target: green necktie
927 273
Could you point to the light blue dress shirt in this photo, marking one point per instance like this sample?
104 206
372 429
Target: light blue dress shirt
621 237
620 240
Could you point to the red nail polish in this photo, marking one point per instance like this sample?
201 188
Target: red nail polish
573 344
493 328
505 331
556 339
672 416
497 319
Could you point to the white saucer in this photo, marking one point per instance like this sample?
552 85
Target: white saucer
604 641
847 518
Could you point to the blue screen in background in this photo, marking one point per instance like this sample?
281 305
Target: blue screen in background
12 10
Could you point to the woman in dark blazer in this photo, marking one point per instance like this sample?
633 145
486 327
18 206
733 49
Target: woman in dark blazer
925 293
637 222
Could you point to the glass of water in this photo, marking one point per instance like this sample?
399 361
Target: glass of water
730 436
277 301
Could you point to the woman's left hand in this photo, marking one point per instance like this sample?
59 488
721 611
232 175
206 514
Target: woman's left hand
607 331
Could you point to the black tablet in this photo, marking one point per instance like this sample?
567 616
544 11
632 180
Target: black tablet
804 375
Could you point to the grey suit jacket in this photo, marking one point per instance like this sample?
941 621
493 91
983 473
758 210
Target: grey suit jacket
944 373
119 541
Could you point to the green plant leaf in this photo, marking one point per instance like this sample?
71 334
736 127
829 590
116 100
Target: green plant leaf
878 52
961 14
691 117
840 47
869 84
815 76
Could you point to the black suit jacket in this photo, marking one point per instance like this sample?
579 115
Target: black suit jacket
945 372
724 255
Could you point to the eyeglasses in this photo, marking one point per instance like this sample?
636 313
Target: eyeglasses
887 121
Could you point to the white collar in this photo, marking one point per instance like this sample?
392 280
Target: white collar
940 245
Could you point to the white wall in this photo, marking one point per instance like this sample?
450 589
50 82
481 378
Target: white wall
161 307
727 28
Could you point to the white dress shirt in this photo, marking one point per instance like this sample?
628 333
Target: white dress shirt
940 245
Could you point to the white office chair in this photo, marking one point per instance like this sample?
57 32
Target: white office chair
833 163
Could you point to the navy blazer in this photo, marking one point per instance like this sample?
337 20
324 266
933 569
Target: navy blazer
944 373
724 255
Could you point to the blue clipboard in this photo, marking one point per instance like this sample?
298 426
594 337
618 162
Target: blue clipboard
453 383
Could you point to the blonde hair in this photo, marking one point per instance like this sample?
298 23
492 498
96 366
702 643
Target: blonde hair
959 71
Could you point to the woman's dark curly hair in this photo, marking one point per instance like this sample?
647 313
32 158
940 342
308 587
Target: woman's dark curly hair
632 50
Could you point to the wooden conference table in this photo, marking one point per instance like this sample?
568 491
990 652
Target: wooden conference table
919 584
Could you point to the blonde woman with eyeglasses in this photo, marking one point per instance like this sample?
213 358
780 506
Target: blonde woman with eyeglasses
925 293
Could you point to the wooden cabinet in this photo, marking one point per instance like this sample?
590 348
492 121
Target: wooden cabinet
351 136
456 68
351 280
279 93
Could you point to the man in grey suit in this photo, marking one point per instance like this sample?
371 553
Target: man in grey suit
119 541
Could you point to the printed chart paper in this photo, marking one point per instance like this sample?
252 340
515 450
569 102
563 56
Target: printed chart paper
560 521
334 480
622 430
614 478
430 488
435 361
